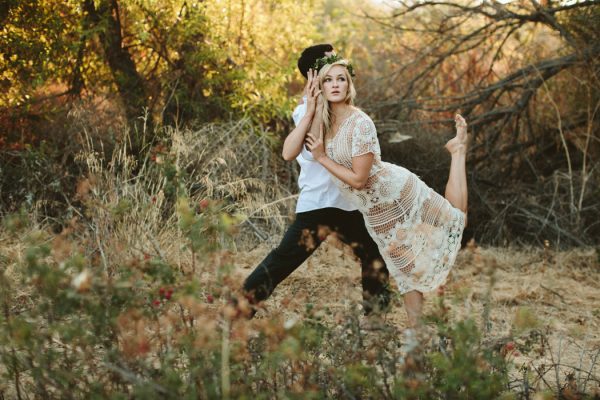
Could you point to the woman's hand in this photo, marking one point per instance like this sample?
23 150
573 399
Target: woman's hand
316 146
312 92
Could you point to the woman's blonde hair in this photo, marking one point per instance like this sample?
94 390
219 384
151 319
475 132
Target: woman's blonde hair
350 94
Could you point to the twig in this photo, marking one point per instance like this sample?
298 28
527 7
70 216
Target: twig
261 235
554 292
594 361
104 262
529 214
581 354
541 375
292 197
530 262
557 367
225 371
132 377
155 245
563 141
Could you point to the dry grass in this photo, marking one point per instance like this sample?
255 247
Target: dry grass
559 289
511 291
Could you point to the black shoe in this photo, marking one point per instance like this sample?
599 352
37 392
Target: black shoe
379 304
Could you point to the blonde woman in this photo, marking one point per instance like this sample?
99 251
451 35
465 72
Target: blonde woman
417 230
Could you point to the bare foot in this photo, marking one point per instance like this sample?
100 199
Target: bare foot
458 144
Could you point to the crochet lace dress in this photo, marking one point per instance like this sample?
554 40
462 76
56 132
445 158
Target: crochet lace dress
417 230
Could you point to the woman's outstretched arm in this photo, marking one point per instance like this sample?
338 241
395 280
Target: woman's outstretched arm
361 165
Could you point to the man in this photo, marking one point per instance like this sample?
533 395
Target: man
320 210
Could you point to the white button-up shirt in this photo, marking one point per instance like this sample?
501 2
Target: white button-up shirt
317 190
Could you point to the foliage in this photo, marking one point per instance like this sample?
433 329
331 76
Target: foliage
149 328
38 44
116 269
208 58
37 181
132 298
525 76
221 60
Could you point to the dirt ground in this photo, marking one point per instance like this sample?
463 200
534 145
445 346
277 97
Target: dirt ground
551 291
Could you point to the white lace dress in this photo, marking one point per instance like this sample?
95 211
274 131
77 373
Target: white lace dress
417 230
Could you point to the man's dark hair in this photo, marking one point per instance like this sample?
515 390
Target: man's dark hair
310 55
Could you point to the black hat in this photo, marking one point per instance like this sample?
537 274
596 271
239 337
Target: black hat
310 55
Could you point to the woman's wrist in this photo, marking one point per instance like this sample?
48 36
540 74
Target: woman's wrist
320 157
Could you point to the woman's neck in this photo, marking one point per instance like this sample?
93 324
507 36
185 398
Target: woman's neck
340 110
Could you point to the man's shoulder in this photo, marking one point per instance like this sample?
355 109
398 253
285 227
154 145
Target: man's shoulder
301 102
298 113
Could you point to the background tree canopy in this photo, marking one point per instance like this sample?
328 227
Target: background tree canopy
524 73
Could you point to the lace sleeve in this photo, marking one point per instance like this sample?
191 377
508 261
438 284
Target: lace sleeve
364 139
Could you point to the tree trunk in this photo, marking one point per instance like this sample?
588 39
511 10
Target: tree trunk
130 84
185 93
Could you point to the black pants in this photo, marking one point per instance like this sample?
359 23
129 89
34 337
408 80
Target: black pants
304 236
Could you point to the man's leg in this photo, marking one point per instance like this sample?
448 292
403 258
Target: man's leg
375 276
300 240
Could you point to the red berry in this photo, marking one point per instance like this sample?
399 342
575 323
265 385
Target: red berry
168 294
156 302
16 146
161 291
204 203
143 347
510 346
146 256
210 299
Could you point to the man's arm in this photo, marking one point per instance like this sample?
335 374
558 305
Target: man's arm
292 146
317 121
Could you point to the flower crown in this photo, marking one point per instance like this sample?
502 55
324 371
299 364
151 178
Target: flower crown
321 62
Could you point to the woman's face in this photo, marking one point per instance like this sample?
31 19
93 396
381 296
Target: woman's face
335 84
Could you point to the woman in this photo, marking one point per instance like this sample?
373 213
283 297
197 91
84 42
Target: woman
418 231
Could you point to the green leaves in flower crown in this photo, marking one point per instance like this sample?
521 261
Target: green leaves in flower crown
321 62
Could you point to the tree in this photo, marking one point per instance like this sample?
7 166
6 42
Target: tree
106 20
533 113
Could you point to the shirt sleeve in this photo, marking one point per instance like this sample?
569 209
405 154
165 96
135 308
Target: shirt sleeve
299 112
364 138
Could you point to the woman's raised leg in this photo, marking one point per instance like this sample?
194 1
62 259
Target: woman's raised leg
456 188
